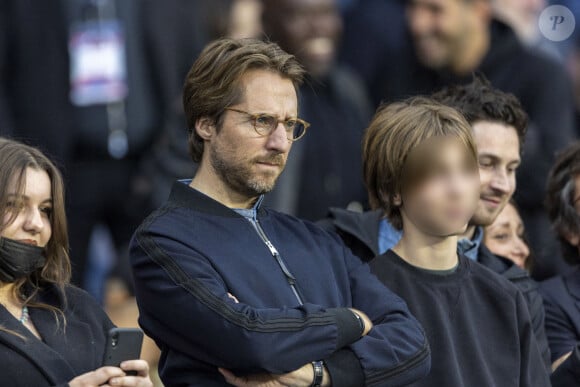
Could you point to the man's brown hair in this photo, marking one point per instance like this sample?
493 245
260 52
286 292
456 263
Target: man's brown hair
480 101
213 82
394 133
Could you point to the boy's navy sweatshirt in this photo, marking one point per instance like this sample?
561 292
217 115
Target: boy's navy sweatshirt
294 283
477 324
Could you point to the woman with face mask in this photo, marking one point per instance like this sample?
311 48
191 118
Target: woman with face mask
51 333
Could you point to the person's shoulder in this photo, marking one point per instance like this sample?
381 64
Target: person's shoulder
182 203
343 218
78 298
519 277
167 220
542 67
297 224
68 297
74 292
509 270
165 211
390 265
543 61
305 229
489 279
559 286
508 42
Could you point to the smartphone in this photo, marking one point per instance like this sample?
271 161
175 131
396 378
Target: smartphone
123 344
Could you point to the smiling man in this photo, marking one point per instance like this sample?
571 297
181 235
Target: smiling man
235 293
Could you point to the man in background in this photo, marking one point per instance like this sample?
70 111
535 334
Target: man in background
332 99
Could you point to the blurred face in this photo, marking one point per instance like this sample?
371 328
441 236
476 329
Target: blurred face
247 162
442 203
244 21
309 29
440 29
505 236
32 210
498 149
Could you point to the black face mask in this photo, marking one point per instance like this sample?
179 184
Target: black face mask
17 260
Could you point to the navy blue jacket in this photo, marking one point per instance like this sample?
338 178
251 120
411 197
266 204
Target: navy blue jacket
188 255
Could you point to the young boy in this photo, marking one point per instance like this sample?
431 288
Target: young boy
421 169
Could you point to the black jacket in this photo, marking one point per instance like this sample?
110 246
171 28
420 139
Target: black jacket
562 303
360 232
65 351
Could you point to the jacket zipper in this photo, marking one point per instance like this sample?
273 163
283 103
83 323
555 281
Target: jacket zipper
289 277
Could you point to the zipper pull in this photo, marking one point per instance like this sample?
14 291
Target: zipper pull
271 247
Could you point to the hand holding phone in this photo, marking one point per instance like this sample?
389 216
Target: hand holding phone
123 344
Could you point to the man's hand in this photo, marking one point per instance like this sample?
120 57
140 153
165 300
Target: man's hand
302 377
366 319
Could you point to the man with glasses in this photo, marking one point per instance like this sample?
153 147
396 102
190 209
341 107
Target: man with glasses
235 293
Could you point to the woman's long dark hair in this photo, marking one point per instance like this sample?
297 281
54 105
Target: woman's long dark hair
15 158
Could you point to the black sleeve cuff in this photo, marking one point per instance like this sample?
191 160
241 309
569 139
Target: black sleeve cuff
345 369
348 327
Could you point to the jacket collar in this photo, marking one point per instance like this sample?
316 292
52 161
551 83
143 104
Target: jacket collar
46 354
500 265
362 225
182 195
492 261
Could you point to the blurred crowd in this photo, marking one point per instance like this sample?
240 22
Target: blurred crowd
97 84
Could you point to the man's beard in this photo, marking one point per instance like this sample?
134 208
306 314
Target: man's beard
239 176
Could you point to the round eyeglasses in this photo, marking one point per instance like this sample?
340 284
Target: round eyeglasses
264 124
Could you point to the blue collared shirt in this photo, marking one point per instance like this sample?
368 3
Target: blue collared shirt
251 213
470 247
388 236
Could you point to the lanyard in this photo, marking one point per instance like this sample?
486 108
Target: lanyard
98 74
